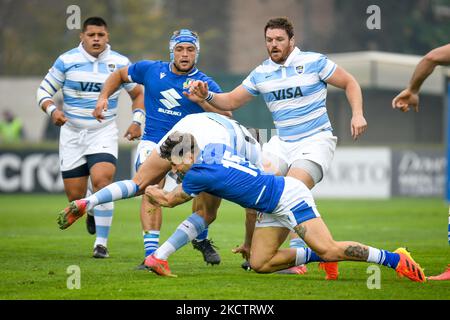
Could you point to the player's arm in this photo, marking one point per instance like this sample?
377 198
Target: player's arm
112 83
158 196
209 108
434 58
134 131
344 80
227 101
51 83
250 221
410 96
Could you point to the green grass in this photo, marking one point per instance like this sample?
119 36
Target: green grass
35 254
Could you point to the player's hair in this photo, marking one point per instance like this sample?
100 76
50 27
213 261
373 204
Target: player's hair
183 142
94 21
280 23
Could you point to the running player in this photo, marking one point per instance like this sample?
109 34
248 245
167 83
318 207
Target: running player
88 148
410 98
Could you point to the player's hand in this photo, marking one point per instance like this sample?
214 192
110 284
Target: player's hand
358 126
406 99
244 250
154 194
133 132
102 105
58 118
197 92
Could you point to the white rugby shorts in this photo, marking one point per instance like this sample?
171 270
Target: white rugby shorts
75 144
296 206
318 148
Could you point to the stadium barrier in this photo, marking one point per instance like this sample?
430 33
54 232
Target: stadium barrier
364 172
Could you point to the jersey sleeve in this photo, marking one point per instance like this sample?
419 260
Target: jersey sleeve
325 67
197 180
137 71
249 84
58 71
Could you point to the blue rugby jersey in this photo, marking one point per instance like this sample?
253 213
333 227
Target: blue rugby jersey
81 77
165 103
226 175
294 92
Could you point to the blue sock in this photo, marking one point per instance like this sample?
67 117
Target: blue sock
306 255
383 257
115 191
151 241
202 236
186 231
297 243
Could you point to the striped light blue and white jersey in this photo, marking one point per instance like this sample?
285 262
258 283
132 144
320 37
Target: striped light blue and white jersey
81 77
294 92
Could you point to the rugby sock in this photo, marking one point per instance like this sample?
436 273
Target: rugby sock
306 255
115 191
185 232
151 241
202 236
103 215
297 243
383 257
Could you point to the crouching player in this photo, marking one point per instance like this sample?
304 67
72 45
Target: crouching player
287 205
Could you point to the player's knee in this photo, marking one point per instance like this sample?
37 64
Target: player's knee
101 182
259 265
208 216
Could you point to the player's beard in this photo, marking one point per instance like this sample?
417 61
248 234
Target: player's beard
282 55
184 70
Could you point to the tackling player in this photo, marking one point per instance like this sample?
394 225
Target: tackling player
88 148
208 128
216 169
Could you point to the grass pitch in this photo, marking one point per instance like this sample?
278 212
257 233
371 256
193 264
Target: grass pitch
35 254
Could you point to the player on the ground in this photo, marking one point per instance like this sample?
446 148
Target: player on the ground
207 128
410 98
217 170
294 86
88 148
165 105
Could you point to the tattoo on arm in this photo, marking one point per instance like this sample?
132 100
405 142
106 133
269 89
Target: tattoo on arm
357 251
301 231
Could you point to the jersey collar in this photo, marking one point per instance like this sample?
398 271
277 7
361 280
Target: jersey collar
288 61
101 56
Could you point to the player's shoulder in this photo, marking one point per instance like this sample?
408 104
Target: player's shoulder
72 54
309 56
157 64
118 57
199 75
